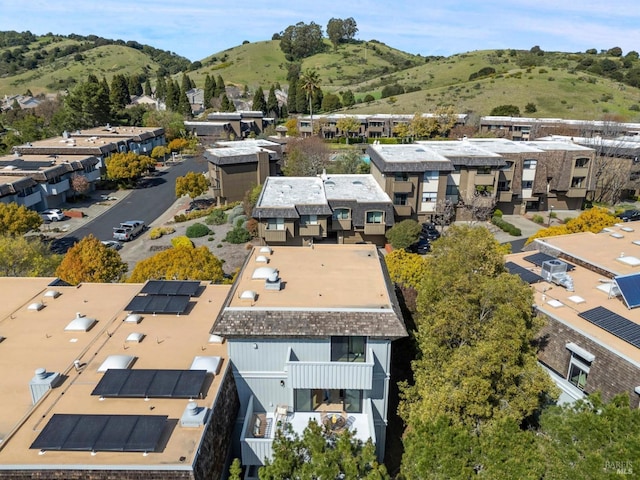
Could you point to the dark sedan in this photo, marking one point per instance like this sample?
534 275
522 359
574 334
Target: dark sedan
629 215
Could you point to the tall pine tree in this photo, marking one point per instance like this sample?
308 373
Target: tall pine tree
220 86
119 94
272 103
259 103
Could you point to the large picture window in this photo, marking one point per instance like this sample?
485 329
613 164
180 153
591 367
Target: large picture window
342 214
375 217
348 349
275 224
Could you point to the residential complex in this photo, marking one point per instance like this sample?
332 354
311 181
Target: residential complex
309 332
341 208
113 381
586 286
423 178
371 126
237 167
228 125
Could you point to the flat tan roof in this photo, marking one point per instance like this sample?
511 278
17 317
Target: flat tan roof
586 295
322 276
37 339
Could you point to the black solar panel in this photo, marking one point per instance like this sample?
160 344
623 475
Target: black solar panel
106 433
170 287
151 383
25 164
158 304
629 286
539 258
526 275
613 323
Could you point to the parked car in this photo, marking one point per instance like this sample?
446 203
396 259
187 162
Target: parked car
629 215
52 215
128 230
421 247
112 244
429 231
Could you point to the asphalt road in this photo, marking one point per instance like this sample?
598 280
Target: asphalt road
149 201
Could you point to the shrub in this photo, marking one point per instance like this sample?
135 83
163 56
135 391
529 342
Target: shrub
181 241
506 226
497 213
210 239
538 219
157 232
197 230
238 235
216 217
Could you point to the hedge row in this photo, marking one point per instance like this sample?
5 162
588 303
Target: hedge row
506 226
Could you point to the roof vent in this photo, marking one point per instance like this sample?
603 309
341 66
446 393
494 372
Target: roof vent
262 259
42 382
210 364
216 339
134 337
193 415
35 306
118 362
263 273
266 249
133 318
80 324
273 282
52 294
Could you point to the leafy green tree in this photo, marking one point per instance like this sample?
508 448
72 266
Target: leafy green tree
171 122
506 111
87 105
235 470
319 454
17 219
273 108
127 167
26 257
179 263
91 261
301 40
403 234
119 95
339 30
368 98
259 102
530 108
192 184
348 125
135 85
306 157
475 332
227 105
330 102
348 162
148 91
348 99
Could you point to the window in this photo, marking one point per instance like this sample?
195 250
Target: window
527 184
529 164
452 190
582 162
275 224
342 214
375 217
348 349
504 186
308 220
483 170
314 399
577 182
429 197
579 365
400 177
430 175
400 199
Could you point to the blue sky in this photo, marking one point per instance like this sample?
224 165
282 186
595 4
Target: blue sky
196 29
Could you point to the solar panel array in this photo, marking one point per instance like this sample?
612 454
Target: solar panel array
526 275
613 323
629 286
540 257
164 296
124 383
106 433
20 164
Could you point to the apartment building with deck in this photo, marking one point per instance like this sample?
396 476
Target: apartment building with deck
310 332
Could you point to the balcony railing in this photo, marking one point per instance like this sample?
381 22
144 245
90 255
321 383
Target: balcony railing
275 235
309 230
374 228
340 224
92 176
403 210
577 192
505 196
484 179
29 200
56 188
329 375
401 186
580 171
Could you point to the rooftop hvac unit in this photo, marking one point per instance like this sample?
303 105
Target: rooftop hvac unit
555 271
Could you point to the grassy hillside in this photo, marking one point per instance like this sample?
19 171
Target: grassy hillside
64 72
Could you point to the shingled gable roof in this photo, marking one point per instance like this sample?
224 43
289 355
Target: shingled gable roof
381 320
382 159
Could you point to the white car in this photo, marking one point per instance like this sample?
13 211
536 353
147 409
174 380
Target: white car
52 214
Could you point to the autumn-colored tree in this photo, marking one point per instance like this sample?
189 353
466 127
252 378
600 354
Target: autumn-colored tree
406 269
79 184
17 219
292 127
26 257
160 152
592 220
179 263
91 261
192 184
319 454
348 125
126 167
307 157
178 144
